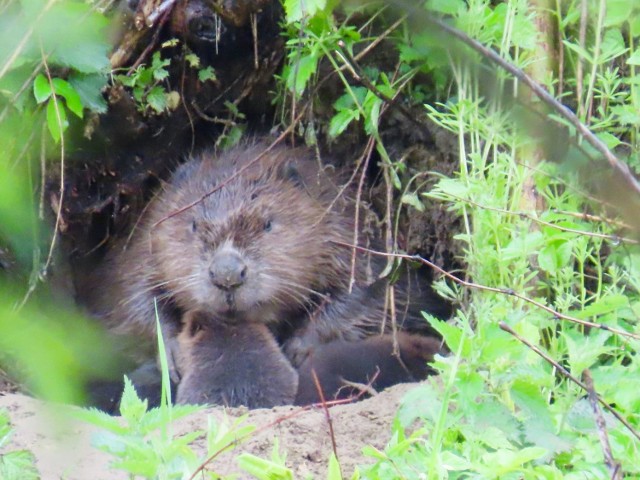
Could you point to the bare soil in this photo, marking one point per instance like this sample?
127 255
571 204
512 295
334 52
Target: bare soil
62 445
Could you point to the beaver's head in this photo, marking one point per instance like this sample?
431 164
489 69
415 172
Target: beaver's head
254 245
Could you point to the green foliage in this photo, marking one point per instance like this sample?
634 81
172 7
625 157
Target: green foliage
49 91
498 410
30 39
144 445
263 469
147 84
17 464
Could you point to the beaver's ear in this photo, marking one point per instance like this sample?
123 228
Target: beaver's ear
289 171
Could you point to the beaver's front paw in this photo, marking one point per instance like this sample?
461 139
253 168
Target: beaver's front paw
300 346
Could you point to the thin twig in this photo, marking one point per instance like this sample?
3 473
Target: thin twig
604 236
568 375
612 465
153 42
503 291
366 156
325 409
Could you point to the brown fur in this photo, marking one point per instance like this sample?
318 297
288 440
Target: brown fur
260 247
366 362
232 364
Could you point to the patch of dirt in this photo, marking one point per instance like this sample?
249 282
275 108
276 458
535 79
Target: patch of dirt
62 446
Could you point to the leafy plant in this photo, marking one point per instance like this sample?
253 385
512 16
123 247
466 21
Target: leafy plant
147 84
17 464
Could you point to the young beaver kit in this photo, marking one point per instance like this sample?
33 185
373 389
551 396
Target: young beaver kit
242 364
232 365
260 243
343 369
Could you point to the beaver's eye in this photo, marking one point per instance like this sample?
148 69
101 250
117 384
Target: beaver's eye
194 226
267 226
254 195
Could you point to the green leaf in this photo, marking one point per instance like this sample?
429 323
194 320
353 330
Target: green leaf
448 7
585 350
157 99
555 256
75 35
634 24
263 469
160 74
451 461
341 120
301 72
64 89
618 11
207 74
412 199
333 472
421 402
627 114
505 461
89 87
610 140
193 60
132 408
296 10
612 45
41 88
634 59
100 419
608 304
56 118
18 465
579 50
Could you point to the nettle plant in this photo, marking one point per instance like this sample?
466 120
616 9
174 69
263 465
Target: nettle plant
550 274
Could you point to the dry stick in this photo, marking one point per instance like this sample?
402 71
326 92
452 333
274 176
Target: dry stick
592 218
566 373
503 291
604 236
325 409
164 7
152 43
612 465
366 156
539 90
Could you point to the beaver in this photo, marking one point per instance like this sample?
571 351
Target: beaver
338 365
232 364
254 234
235 364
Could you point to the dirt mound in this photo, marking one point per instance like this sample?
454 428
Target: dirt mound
63 449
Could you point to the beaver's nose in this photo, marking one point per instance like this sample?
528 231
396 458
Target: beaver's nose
228 270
